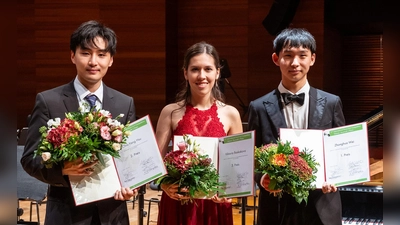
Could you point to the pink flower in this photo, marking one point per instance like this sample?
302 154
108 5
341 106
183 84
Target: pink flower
105 132
269 147
118 138
181 146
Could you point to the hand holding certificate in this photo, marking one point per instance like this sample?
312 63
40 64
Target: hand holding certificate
190 168
139 163
342 152
232 158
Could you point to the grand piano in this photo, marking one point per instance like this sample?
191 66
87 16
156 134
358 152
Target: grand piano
363 203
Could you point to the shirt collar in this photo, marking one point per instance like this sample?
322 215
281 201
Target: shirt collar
82 91
305 89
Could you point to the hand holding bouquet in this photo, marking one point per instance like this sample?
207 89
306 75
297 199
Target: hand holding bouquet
191 171
289 170
81 135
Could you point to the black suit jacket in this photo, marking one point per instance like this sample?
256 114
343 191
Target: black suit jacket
266 118
61 207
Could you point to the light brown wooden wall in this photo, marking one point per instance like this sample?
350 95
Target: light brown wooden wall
235 28
140 68
44 28
152 38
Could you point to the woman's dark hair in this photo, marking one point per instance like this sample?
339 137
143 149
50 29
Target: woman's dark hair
84 36
194 50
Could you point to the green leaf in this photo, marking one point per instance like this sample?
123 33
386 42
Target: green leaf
100 157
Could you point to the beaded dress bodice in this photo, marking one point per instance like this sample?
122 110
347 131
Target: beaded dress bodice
203 123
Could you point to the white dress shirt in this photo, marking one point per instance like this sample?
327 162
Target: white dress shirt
296 115
82 92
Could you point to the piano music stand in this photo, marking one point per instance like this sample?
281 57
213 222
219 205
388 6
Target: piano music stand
225 74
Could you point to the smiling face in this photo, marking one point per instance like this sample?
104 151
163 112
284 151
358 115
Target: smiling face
201 74
294 64
92 63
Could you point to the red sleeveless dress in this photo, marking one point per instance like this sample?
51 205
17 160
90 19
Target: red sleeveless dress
205 212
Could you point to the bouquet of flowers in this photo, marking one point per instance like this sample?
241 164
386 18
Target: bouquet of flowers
289 169
191 169
81 134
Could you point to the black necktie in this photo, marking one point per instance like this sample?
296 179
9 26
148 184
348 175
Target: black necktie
92 100
287 98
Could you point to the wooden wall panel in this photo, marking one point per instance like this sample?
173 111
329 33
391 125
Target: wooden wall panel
152 39
26 84
224 25
263 74
44 29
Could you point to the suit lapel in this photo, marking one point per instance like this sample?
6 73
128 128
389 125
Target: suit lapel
316 110
273 108
108 100
70 100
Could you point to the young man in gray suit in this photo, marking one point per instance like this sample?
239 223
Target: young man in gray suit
93 46
295 104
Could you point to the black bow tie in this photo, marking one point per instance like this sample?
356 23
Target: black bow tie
287 98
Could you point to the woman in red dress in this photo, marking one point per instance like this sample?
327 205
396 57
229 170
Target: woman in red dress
199 110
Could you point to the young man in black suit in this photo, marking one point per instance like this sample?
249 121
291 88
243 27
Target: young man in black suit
92 46
310 108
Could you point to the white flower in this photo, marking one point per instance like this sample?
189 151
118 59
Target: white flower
116 146
46 156
105 113
113 122
54 123
199 150
83 107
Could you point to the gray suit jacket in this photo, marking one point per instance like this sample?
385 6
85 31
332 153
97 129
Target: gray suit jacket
61 207
266 118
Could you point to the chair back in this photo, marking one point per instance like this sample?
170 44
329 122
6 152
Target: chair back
22 136
28 187
245 126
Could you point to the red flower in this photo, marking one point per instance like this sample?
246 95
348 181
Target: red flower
296 150
61 134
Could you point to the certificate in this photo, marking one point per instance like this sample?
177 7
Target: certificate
233 157
342 152
236 164
140 162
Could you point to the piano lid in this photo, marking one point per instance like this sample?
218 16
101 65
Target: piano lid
370 187
362 202
373 118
